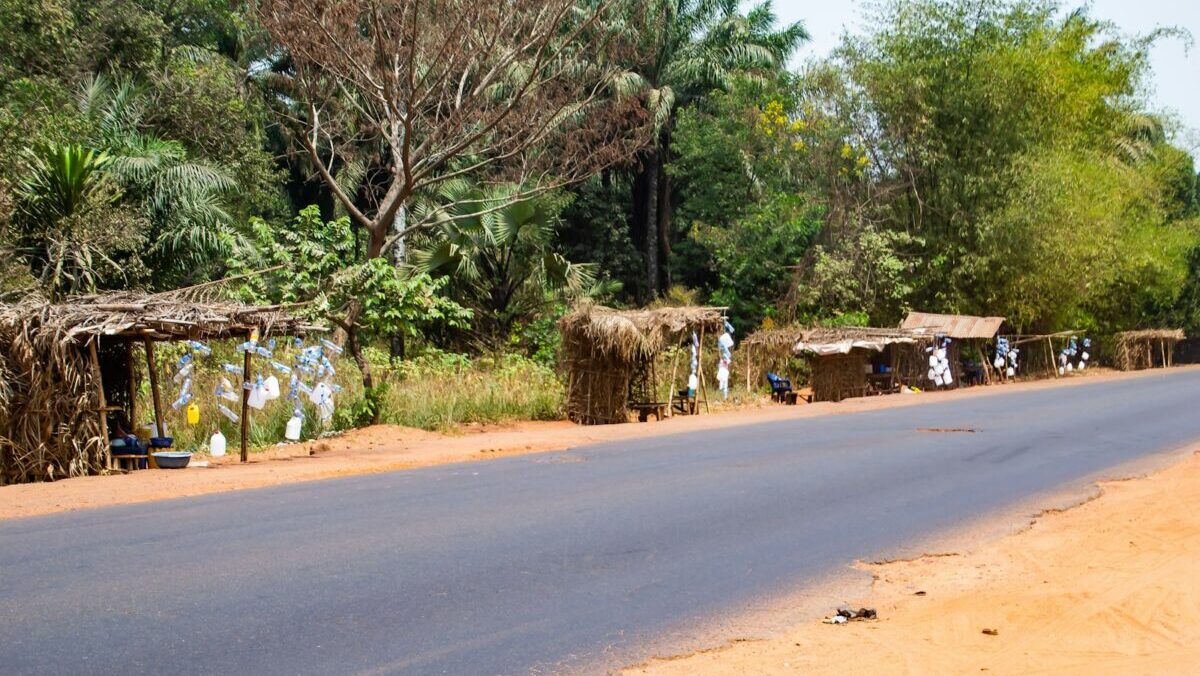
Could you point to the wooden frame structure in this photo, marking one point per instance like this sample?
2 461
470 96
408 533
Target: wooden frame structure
604 349
1135 350
55 419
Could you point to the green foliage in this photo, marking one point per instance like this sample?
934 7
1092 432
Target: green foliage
319 262
68 228
496 256
752 258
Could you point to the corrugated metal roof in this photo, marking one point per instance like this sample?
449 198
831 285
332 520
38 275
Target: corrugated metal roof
961 327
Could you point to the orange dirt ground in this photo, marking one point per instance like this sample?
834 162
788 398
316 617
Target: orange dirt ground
385 448
1109 587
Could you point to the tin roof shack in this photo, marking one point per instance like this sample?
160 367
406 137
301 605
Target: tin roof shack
67 370
610 356
1137 350
841 359
969 337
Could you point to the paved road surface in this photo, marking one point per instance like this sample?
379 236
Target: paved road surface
542 562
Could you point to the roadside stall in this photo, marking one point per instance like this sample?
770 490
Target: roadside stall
611 360
69 375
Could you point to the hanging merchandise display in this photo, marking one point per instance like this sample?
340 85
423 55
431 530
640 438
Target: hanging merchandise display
725 347
271 385
224 410
940 373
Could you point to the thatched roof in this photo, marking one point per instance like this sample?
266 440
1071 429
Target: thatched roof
961 327
160 317
1151 334
634 334
830 340
843 339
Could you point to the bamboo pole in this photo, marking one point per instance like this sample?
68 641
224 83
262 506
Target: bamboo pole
102 408
155 396
246 404
1162 350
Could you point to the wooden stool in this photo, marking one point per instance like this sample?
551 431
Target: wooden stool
134 461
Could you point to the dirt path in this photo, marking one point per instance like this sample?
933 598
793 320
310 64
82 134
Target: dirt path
388 448
1109 587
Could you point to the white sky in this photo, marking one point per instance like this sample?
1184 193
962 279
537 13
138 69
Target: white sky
1175 82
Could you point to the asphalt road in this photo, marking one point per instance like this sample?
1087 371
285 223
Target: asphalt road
543 562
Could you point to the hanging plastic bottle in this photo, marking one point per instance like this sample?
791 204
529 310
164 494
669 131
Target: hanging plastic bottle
233 368
225 390
216 443
193 414
247 346
282 368
331 346
199 347
258 395
294 424
233 417
262 352
182 401
271 385
183 373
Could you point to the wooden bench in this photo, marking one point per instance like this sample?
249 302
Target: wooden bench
644 410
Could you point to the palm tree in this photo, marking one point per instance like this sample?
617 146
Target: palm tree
501 263
181 199
66 226
696 46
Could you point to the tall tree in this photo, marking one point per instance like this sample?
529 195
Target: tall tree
523 92
694 46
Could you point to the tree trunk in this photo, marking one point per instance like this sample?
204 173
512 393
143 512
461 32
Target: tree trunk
651 168
637 220
664 221
399 258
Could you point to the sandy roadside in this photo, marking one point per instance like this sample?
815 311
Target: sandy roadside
1109 587
388 448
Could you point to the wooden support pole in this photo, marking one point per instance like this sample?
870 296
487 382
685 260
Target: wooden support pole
102 405
132 386
1050 354
246 405
155 396
700 368
1162 350
671 394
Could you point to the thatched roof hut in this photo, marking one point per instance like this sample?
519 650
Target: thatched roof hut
838 356
1137 350
57 360
604 348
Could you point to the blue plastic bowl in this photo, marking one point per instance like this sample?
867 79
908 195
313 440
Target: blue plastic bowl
172 459
161 442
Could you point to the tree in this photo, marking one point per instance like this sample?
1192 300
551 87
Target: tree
695 46
316 262
500 264
498 90
69 227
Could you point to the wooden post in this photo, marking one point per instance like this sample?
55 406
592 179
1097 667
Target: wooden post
700 368
155 396
246 405
987 368
671 394
1050 353
102 405
1162 350
132 386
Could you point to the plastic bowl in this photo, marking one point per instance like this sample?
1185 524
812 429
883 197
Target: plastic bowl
172 459
161 442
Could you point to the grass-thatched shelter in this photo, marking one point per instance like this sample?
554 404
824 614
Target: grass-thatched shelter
969 338
606 350
1137 350
840 358
65 368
